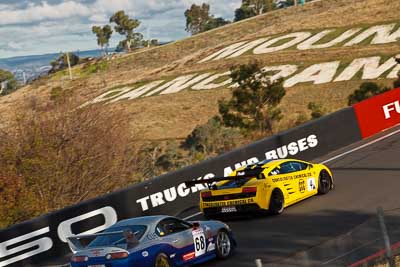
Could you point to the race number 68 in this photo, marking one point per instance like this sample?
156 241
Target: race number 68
199 241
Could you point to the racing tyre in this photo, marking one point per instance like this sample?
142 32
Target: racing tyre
223 245
276 203
325 183
162 261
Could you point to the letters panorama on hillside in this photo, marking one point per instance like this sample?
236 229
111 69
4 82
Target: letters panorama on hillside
371 67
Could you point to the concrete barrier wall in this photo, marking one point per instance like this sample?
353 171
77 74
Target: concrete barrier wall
42 240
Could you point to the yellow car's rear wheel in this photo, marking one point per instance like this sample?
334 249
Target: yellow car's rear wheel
277 202
324 183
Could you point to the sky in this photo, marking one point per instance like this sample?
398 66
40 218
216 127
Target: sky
40 27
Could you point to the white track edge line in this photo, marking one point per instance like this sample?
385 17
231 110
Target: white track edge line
193 215
330 159
361 147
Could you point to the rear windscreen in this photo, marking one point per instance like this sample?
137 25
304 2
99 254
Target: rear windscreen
239 181
115 237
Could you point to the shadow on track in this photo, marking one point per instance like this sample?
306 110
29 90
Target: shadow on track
275 238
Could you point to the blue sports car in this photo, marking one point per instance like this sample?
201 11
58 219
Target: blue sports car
153 241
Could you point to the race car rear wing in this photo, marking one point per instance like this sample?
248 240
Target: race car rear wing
252 173
123 238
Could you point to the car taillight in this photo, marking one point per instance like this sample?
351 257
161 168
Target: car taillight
249 189
116 255
206 194
80 258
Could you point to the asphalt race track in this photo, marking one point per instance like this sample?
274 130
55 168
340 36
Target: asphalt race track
364 179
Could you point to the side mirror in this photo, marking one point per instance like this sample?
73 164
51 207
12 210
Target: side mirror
310 166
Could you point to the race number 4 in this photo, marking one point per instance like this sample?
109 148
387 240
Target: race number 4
199 241
311 184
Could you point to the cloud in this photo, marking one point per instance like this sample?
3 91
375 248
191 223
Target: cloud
42 12
38 26
14 45
4 7
101 9
99 18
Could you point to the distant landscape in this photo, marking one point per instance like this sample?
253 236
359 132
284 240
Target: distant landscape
37 65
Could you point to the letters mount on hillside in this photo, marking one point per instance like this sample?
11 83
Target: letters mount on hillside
372 67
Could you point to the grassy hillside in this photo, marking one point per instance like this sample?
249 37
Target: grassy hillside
174 116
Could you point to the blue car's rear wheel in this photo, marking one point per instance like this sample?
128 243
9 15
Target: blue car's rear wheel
223 245
162 261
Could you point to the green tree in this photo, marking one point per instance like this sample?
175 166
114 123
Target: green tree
7 82
366 90
61 62
198 19
103 36
254 101
250 8
215 23
125 26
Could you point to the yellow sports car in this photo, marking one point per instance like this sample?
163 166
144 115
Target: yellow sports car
269 185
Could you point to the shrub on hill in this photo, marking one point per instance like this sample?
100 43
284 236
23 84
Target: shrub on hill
211 138
61 62
64 156
254 101
366 90
158 157
7 82
316 109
